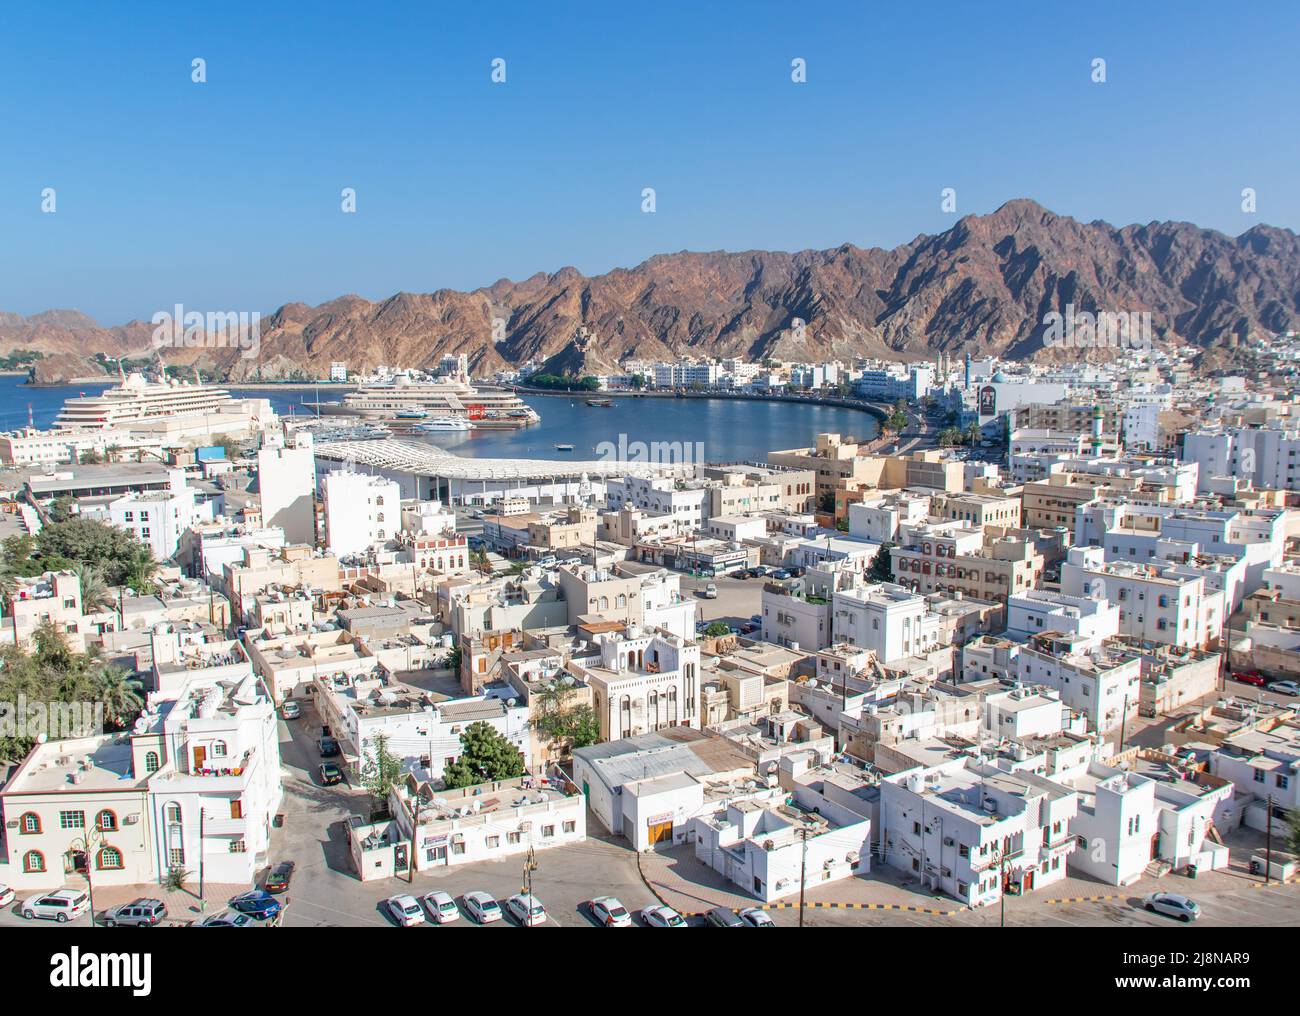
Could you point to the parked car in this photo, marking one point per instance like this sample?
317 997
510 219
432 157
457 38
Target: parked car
527 909
141 913
1285 687
1250 677
749 627
442 908
277 879
662 917
328 747
710 592
257 904
61 905
610 912
756 619
330 773
753 917
290 710
723 917
6 895
1172 905
781 574
405 910
227 919
482 907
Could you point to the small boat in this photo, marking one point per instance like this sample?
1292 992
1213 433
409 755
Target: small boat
410 414
564 447
602 403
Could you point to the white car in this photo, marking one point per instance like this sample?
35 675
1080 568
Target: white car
442 908
710 592
1172 905
756 918
405 910
610 912
62 905
662 917
1285 688
482 907
6 895
527 909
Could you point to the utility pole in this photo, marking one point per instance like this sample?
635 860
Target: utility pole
203 903
803 870
1002 886
530 866
1268 848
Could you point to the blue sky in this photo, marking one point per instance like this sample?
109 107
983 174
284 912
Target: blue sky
226 195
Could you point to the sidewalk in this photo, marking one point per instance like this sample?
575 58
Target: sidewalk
690 887
182 904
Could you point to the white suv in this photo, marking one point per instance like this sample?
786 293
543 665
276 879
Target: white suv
63 905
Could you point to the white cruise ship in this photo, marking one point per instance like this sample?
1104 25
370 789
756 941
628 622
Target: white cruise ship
454 396
138 400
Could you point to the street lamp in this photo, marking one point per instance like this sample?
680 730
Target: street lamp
85 844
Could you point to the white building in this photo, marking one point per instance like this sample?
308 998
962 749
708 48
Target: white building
887 619
286 480
1099 681
762 844
157 518
967 829
196 781
360 510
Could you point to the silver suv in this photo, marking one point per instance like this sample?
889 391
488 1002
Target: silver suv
143 913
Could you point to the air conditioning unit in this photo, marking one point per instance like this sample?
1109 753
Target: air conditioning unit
948 841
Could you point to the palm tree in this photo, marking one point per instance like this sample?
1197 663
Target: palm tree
139 569
95 594
120 698
973 433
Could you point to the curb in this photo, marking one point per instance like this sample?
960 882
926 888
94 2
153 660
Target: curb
1082 899
863 906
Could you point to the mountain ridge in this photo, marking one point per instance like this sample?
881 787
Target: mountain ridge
983 286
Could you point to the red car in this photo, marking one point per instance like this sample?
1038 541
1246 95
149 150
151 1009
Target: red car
1249 677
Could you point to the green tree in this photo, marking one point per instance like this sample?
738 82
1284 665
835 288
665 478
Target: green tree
638 381
972 434
717 629
949 437
380 771
565 726
114 551
896 421
486 756
139 570
882 565
95 594
1293 831
122 702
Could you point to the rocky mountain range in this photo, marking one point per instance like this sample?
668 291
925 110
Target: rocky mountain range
983 286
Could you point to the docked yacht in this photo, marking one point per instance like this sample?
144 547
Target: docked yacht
456 396
444 423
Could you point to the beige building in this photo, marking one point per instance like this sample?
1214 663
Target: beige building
978 509
960 559
575 528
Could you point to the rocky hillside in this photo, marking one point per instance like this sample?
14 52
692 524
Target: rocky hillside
982 286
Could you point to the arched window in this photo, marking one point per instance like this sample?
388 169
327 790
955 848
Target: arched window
151 762
33 861
219 749
106 821
173 813
31 823
109 859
